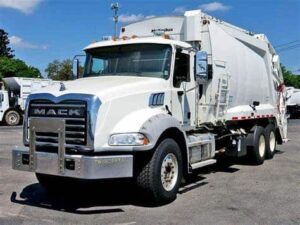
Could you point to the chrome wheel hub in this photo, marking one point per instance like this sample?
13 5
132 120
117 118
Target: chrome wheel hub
272 143
12 118
262 146
169 172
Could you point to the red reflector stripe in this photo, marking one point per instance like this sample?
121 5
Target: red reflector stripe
234 118
243 117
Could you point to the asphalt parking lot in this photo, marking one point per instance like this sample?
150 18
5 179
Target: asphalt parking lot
227 193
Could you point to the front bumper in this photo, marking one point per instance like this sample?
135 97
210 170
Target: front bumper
61 164
75 166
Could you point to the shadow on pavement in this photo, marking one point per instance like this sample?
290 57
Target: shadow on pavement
82 197
91 197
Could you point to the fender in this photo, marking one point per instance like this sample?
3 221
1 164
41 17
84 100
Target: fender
150 122
251 136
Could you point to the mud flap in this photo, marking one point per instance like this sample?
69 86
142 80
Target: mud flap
238 147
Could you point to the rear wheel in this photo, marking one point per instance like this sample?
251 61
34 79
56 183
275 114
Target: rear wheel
270 141
257 152
12 118
161 176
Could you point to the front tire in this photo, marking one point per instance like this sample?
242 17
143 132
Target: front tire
12 118
162 174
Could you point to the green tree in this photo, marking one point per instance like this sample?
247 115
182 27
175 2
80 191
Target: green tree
60 70
16 68
53 69
65 72
5 50
289 78
11 67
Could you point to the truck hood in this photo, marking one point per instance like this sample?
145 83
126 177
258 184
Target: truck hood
108 87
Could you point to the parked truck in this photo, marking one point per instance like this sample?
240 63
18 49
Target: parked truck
12 100
157 103
293 102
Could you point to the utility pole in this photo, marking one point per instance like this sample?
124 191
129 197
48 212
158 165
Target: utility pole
115 8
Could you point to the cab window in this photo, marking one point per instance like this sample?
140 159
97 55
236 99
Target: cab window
181 68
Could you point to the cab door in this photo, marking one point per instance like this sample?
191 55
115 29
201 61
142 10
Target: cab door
4 104
183 88
1 102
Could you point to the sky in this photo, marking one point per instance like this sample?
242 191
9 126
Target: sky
41 31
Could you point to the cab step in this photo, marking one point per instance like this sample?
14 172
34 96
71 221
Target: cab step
203 163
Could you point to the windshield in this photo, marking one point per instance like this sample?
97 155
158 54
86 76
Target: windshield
146 60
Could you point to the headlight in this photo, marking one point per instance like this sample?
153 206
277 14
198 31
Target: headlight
130 139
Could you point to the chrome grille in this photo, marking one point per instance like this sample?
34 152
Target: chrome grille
75 114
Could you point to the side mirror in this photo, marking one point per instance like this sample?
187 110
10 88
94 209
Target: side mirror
77 68
1 97
256 103
201 66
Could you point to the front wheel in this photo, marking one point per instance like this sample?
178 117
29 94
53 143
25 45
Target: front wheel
162 174
12 118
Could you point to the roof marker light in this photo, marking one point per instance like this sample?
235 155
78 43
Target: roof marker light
166 36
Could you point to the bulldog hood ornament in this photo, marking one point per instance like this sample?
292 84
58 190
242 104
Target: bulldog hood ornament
62 87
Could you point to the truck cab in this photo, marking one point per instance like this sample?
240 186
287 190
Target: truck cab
157 67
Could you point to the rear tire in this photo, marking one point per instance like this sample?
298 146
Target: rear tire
270 141
257 152
12 118
161 176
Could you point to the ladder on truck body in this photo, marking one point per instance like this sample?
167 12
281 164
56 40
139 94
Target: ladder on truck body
222 96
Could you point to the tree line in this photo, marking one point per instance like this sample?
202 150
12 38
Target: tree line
289 78
10 66
62 70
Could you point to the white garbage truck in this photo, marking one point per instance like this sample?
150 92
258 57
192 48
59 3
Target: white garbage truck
293 102
156 103
12 100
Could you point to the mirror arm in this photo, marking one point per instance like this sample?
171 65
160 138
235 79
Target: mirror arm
75 58
209 71
78 68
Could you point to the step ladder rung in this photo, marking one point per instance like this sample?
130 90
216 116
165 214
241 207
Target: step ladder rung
223 94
